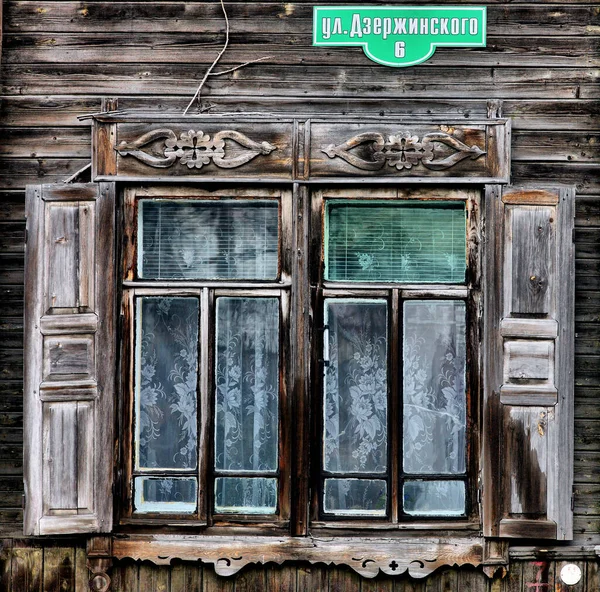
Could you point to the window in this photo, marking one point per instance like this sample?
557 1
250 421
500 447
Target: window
396 302
206 301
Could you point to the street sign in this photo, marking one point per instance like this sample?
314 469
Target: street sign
399 36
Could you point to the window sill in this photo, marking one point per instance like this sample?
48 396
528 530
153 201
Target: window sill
366 555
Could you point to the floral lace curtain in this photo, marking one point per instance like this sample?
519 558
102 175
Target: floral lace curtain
166 385
247 399
355 427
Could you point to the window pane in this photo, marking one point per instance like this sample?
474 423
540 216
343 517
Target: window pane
245 495
434 386
396 242
347 497
434 498
355 423
222 239
172 496
166 382
247 384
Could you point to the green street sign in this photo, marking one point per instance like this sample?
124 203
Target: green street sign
399 36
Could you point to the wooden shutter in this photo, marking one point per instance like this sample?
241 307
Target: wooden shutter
528 359
69 358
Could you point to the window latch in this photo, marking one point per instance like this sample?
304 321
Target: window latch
325 360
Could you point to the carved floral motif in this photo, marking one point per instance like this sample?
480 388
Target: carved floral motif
403 151
195 149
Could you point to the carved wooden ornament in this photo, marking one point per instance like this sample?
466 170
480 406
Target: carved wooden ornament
367 556
194 149
403 151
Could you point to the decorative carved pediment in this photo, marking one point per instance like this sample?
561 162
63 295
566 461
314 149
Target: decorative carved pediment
194 149
404 150
367 556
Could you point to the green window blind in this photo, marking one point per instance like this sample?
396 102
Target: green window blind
395 242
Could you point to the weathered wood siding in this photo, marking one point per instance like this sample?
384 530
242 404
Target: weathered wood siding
60 57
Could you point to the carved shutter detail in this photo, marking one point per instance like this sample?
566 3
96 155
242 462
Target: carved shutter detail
529 361
70 361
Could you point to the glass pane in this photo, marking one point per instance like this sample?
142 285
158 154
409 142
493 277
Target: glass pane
247 384
172 496
166 382
355 424
347 497
396 242
222 239
245 495
434 498
434 386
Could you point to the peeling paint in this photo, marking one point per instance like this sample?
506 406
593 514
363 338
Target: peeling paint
289 9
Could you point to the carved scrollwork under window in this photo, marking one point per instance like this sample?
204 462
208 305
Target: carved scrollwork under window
404 151
195 149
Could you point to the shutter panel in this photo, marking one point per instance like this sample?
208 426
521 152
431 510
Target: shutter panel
528 363
69 358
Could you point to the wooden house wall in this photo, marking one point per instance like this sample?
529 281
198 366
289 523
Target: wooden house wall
60 57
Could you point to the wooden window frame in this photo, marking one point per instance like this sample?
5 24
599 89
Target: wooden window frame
207 292
395 293
296 227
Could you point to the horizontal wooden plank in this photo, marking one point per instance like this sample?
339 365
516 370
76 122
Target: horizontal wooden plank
587 211
201 48
587 274
584 176
11 301
275 81
587 403
586 530
587 467
587 243
587 370
48 111
15 173
587 306
8 402
10 499
542 114
11 436
12 237
555 146
586 499
587 435
11 365
246 17
46 143
12 267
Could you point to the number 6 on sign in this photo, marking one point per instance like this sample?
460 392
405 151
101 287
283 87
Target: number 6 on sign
399 49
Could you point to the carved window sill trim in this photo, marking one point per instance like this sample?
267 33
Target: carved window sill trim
366 555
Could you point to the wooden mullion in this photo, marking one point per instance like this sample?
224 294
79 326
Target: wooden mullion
204 404
186 284
356 293
208 400
299 370
285 415
394 411
245 293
